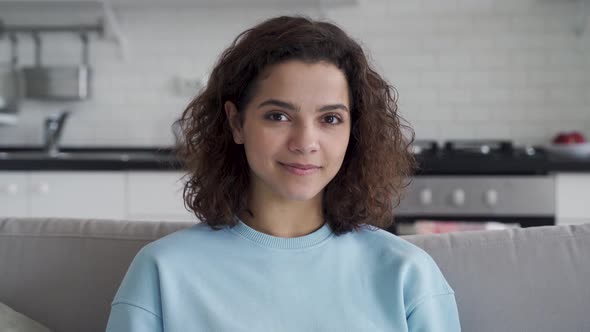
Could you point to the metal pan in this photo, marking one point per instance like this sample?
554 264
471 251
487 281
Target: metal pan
61 83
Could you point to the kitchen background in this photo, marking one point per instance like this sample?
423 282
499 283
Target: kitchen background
513 69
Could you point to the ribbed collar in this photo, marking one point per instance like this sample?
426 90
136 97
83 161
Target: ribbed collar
276 242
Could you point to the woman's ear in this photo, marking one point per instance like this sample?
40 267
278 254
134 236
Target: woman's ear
233 117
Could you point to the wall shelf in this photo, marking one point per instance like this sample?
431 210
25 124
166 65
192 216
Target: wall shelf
13 12
188 3
8 119
26 16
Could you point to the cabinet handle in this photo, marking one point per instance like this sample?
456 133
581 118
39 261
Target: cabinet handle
10 189
42 188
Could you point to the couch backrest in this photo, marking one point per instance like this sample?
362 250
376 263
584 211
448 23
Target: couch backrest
519 280
65 272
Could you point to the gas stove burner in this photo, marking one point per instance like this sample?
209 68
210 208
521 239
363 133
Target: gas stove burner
424 146
479 147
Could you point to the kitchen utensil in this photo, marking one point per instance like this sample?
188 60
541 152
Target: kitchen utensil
62 83
11 82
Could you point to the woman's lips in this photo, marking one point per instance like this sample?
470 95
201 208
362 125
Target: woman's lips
300 169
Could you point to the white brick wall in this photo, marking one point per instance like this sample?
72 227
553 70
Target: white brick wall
463 68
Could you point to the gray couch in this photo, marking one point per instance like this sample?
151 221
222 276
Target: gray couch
64 272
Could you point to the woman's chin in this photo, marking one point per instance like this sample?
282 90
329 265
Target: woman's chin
299 195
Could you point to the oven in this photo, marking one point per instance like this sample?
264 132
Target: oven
471 185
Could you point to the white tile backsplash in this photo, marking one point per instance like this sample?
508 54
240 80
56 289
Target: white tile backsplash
510 69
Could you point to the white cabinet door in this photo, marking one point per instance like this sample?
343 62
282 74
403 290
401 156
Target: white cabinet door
156 195
573 198
14 196
78 194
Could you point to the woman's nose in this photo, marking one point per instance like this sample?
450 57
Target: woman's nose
303 139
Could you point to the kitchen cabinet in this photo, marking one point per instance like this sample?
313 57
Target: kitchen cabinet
77 194
156 195
14 194
572 198
132 195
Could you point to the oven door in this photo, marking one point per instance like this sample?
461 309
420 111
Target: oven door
440 204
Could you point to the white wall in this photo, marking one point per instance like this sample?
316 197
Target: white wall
463 68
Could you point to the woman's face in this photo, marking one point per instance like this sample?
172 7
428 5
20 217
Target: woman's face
295 129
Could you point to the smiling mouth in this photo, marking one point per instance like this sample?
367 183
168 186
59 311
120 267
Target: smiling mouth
299 169
301 166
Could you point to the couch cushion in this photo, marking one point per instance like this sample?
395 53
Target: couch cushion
533 279
12 321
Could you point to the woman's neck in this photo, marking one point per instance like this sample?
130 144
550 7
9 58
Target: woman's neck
283 218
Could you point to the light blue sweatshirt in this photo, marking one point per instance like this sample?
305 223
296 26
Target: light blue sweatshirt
238 279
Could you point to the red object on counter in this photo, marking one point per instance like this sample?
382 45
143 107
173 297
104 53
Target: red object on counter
578 137
569 138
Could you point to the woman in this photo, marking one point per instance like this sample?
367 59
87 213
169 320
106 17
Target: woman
294 152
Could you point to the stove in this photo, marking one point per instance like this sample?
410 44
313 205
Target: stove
477 149
479 157
477 181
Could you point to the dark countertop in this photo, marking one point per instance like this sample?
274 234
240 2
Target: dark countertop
89 159
162 158
559 164
504 165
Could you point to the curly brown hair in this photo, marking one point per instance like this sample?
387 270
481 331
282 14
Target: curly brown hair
377 164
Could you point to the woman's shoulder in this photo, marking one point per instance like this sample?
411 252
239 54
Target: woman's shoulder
413 263
382 241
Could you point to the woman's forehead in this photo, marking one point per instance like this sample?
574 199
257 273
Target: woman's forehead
297 81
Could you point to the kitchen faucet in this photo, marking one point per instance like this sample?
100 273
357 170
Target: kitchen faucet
54 125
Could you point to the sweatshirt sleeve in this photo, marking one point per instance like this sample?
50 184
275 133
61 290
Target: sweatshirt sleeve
436 313
137 305
431 305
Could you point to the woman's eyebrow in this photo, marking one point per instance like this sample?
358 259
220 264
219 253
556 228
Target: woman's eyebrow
279 103
333 107
294 108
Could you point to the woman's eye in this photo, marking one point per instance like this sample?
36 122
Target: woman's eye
277 117
332 119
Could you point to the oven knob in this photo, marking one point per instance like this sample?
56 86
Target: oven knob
458 197
491 197
426 197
